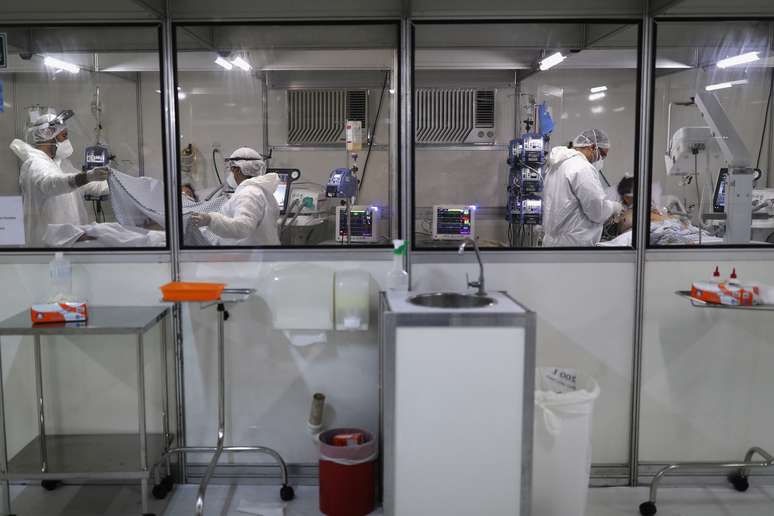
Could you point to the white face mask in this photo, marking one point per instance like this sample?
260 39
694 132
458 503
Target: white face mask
599 164
231 181
64 149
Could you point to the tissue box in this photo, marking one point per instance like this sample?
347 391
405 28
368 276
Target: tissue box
59 313
726 293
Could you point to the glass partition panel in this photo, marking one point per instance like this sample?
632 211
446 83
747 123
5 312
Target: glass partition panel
525 134
288 134
712 135
81 112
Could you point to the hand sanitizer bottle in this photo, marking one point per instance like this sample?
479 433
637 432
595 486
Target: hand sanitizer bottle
397 278
60 276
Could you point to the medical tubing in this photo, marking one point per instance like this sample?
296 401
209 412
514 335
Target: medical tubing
293 220
373 134
765 121
215 166
288 211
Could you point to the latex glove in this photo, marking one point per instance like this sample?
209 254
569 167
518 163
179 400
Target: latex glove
200 219
97 174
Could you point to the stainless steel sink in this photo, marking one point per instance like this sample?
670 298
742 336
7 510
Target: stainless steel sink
451 300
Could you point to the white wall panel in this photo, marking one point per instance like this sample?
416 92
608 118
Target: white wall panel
707 379
271 381
89 383
585 317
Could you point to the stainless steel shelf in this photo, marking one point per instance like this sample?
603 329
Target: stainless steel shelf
86 456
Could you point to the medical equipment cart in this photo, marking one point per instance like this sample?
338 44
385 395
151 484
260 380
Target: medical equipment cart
53 458
739 470
229 296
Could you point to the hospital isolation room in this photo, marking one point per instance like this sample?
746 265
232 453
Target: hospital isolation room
392 257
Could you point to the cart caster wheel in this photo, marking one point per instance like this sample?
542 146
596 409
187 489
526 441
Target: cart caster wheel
739 482
287 493
50 485
159 492
168 482
648 509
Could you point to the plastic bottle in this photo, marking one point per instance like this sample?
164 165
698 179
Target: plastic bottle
60 275
716 275
397 278
733 279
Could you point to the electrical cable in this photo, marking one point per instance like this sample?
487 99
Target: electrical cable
603 177
765 120
373 133
215 165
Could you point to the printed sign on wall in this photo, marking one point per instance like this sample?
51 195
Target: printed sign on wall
11 220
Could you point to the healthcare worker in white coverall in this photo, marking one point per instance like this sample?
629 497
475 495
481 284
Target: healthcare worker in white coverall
575 207
249 217
52 189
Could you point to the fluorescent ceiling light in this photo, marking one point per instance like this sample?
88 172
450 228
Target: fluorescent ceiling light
619 109
725 85
598 89
597 96
181 95
551 61
53 62
749 57
224 63
241 63
597 110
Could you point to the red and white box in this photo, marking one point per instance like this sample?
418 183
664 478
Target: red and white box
59 313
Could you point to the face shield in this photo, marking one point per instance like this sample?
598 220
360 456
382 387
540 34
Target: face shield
47 127
249 162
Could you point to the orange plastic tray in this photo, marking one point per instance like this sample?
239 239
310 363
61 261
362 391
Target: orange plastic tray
192 291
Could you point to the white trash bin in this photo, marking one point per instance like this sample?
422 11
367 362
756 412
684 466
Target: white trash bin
564 404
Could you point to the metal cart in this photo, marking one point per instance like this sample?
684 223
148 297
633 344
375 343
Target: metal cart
54 458
739 470
229 296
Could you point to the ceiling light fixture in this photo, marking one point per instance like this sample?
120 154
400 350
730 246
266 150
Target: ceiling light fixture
224 63
53 62
749 57
725 85
241 63
551 61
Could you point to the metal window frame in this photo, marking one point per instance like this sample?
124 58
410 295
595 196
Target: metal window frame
130 251
395 198
638 22
653 51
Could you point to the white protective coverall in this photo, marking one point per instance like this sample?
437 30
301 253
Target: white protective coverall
574 203
47 195
249 217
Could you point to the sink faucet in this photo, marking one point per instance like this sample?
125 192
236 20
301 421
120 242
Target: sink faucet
480 283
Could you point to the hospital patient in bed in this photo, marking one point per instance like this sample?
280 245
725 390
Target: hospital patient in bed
665 228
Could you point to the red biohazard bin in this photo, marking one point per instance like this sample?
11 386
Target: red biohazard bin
347 473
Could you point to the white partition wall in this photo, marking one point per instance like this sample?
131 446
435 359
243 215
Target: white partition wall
706 380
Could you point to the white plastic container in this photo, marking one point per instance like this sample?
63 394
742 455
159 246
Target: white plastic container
564 405
60 277
352 300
